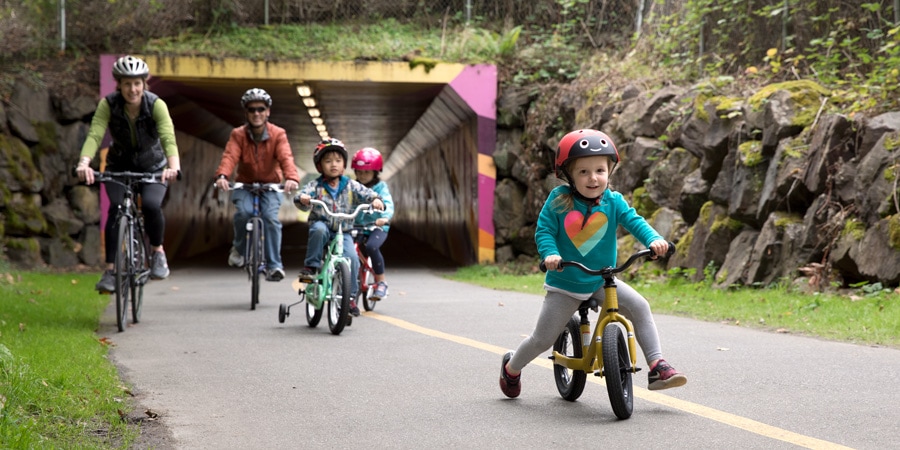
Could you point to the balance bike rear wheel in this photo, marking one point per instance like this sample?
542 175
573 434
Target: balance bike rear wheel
570 383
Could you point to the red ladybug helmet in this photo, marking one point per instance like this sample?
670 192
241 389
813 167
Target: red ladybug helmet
580 143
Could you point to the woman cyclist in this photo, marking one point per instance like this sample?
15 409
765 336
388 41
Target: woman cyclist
143 140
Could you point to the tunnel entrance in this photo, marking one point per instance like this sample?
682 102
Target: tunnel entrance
436 127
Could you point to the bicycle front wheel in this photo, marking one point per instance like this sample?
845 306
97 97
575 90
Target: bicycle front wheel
339 300
617 370
570 383
123 272
141 272
366 281
254 259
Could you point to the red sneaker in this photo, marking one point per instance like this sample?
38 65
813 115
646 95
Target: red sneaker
664 376
510 386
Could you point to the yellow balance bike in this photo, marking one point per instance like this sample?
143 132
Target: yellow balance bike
605 352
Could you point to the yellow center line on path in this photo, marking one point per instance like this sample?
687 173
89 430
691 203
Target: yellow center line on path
660 399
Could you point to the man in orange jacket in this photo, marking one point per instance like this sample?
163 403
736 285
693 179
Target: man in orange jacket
262 154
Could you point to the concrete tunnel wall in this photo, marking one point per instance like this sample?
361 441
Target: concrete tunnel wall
441 176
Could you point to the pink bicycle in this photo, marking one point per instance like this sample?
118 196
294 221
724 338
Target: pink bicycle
366 275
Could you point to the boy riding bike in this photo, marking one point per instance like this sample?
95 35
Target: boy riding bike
578 222
342 195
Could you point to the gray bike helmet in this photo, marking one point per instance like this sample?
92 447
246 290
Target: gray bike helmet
130 67
256 95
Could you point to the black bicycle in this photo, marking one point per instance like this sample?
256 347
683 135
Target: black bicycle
255 250
132 265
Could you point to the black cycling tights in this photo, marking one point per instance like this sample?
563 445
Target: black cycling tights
152 195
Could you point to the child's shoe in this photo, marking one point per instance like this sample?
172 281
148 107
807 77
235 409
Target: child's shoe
354 310
511 386
381 291
664 376
308 274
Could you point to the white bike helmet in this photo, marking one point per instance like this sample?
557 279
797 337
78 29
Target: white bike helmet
256 95
130 67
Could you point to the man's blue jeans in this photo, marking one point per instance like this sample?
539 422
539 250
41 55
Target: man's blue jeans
319 237
269 204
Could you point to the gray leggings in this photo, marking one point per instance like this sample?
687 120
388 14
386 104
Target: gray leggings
558 308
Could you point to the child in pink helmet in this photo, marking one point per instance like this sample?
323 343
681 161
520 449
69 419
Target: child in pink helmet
367 164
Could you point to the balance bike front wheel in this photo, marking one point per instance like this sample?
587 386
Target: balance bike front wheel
617 370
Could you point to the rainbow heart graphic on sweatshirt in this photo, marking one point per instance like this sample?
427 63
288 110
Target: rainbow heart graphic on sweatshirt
585 237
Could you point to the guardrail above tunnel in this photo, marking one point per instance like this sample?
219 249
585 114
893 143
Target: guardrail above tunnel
434 125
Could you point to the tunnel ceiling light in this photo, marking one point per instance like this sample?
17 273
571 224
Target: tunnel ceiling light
309 102
313 112
304 90
324 134
321 128
317 121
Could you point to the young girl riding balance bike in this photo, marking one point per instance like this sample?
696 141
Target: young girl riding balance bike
578 222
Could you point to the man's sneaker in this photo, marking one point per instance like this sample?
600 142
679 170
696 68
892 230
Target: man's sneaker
354 310
159 268
308 274
235 259
664 376
276 274
107 282
380 291
510 386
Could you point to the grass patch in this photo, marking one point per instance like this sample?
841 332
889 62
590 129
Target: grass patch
387 40
57 387
863 316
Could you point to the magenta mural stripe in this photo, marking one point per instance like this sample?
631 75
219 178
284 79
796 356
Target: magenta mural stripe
477 86
107 86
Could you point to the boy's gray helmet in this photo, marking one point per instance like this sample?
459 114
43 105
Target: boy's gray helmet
256 95
130 67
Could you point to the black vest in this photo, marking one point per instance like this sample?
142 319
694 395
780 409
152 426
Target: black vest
148 154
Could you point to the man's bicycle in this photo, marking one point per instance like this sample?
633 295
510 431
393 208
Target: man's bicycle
132 264
605 353
255 250
333 283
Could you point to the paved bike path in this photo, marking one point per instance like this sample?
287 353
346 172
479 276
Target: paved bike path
423 373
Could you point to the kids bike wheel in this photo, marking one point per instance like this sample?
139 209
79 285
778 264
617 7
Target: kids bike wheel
282 312
339 300
367 280
570 383
617 370
313 315
255 260
140 276
123 285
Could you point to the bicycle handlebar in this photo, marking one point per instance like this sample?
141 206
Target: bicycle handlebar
274 187
146 177
342 216
611 270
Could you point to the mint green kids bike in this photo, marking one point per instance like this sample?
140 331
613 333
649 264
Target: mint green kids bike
333 285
